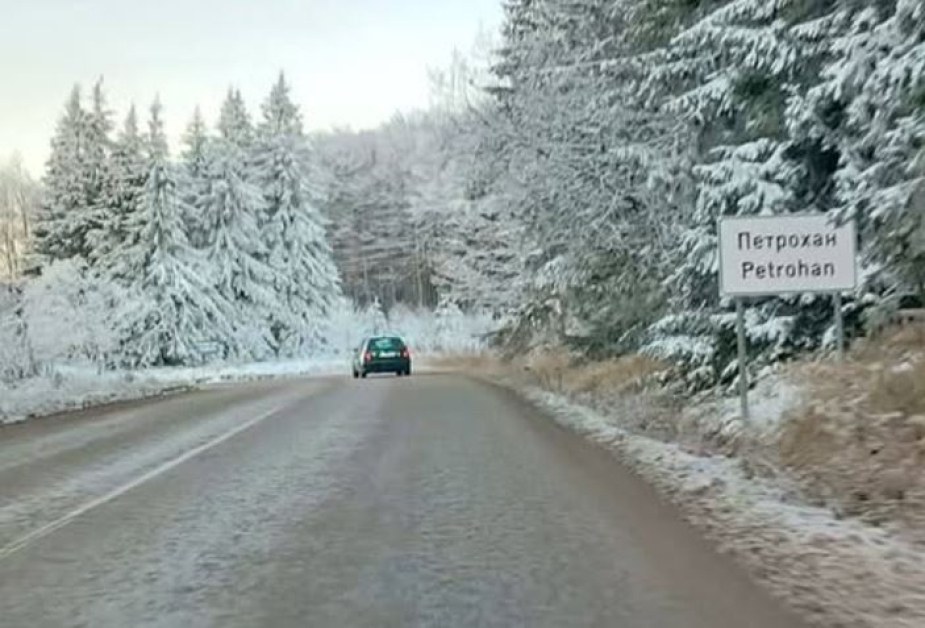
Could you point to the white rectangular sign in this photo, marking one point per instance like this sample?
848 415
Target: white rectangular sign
786 254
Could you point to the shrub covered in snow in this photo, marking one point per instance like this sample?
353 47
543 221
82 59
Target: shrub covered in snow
70 315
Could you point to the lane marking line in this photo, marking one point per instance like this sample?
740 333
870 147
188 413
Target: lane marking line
57 524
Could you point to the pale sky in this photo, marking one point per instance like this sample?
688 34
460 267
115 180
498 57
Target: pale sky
350 62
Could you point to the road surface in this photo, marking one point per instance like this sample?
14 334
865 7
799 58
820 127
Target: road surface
429 501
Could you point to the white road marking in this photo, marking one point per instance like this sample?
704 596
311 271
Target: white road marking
59 523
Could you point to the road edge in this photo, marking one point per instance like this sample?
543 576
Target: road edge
831 572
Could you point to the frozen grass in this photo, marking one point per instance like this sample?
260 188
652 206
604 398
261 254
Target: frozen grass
564 373
858 444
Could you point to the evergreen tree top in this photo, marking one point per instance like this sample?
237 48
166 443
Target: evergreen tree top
129 146
73 107
195 140
280 115
156 140
196 130
101 114
68 123
234 122
130 126
66 147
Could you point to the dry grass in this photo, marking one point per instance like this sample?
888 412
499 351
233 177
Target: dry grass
482 362
548 369
621 375
860 442
895 343
620 388
565 373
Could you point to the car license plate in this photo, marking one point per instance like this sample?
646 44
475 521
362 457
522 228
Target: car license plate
388 354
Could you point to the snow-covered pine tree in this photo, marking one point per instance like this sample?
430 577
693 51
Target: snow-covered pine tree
234 122
98 172
230 207
194 161
195 141
77 174
121 196
732 71
294 232
181 307
64 203
868 110
736 65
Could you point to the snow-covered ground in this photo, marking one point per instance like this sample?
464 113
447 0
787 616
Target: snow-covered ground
839 572
71 387
74 387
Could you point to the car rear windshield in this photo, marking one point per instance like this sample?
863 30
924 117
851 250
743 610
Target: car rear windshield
386 344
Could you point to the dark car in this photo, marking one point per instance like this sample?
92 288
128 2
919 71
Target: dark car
382 354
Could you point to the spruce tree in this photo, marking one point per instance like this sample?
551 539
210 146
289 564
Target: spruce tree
294 232
121 196
65 202
234 123
867 112
229 207
181 308
195 163
98 173
78 171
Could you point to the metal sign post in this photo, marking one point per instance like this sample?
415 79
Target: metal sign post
743 358
839 328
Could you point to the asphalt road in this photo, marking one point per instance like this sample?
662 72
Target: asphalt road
429 501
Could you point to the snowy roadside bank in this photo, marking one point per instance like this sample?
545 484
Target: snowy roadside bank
71 388
834 569
837 572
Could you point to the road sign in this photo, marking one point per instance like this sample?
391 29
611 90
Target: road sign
762 256
209 349
768 255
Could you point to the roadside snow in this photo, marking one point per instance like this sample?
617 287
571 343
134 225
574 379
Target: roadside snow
73 387
49 394
327 365
719 418
838 572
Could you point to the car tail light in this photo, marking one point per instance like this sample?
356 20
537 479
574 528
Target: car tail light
405 353
368 357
